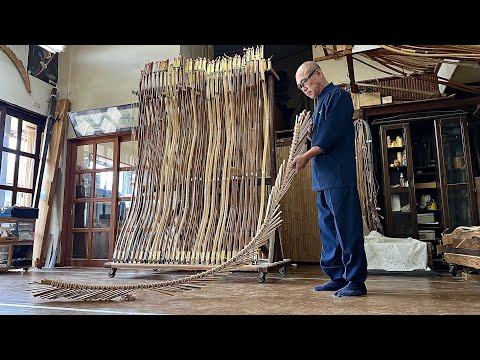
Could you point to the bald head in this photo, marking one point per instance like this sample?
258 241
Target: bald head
306 69
310 79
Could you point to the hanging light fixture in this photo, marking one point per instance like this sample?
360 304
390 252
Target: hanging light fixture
53 48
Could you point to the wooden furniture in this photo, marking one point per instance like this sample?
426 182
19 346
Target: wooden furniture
462 247
16 243
428 185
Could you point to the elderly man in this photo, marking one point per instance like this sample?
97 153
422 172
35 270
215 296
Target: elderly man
332 153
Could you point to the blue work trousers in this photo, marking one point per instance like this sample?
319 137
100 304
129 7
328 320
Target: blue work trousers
341 232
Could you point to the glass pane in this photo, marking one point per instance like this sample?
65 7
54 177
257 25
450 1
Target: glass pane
29 137
101 214
6 198
84 157
458 207
401 215
125 183
11 132
25 172
104 155
123 208
81 215
105 120
453 153
83 186
24 199
79 250
128 153
103 184
100 245
8 168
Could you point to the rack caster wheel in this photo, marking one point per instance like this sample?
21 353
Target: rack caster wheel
453 270
261 277
111 272
282 270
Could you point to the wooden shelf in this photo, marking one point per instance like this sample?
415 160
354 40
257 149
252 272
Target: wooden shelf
12 254
399 189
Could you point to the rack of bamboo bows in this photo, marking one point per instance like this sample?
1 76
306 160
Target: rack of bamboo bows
205 165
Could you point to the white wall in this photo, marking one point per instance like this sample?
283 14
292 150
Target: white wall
105 75
12 88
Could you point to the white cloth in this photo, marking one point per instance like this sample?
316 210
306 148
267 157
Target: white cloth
395 254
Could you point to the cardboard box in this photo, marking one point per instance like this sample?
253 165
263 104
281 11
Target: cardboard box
367 99
387 99
426 234
426 185
426 218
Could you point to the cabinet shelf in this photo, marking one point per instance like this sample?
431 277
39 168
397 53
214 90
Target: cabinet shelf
399 189
415 168
429 226
425 174
428 211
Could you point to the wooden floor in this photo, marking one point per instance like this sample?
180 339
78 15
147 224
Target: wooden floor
241 294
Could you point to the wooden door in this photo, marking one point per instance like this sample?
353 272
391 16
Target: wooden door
98 195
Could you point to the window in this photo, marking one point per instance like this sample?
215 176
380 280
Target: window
20 133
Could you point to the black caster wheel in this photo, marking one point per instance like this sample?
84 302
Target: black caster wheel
111 272
282 270
261 277
25 269
453 270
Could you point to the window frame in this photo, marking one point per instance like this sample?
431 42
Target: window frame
22 115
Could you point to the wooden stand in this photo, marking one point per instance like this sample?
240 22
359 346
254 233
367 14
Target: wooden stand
262 267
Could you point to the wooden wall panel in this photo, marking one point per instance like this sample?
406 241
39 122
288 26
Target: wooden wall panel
299 232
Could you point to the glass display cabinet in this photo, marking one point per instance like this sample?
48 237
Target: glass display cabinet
427 176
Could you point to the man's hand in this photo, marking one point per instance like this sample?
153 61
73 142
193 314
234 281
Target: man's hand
299 163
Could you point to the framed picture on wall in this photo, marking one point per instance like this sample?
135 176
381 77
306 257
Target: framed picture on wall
43 64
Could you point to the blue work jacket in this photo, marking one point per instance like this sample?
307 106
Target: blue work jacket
333 132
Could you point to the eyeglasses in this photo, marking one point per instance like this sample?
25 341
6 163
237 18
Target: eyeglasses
303 82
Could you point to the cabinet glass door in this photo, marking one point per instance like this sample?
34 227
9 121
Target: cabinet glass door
399 206
455 174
